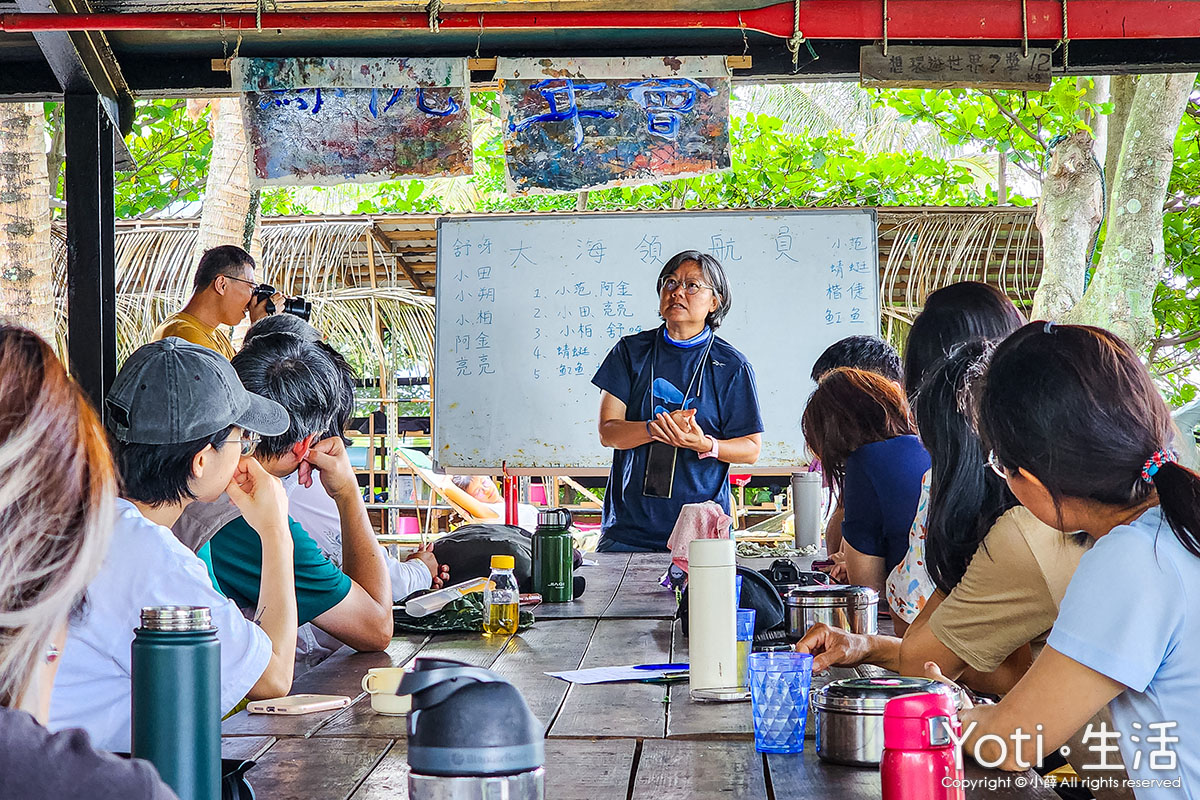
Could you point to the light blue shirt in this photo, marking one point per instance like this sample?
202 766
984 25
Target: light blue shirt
1130 613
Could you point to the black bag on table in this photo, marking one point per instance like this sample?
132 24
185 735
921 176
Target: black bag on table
757 593
468 551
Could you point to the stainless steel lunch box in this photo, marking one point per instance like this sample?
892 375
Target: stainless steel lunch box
851 608
849 715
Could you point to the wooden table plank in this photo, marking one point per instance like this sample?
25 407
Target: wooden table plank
805 775
341 673
546 647
300 769
389 780
671 768
602 583
244 748
576 769
640 594
360 720
687 719
588 769
619 709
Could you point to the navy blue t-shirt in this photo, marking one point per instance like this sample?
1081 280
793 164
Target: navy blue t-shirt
726 403
882 488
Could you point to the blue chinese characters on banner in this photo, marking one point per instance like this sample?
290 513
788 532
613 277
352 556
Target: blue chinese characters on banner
326 121
611 128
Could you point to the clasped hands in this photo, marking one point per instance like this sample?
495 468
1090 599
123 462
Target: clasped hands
679 429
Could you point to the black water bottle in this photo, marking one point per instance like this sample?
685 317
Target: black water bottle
176 722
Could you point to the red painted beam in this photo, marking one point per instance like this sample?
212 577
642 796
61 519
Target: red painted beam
819 19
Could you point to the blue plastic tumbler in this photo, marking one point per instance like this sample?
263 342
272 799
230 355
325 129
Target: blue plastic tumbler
745 644
779 684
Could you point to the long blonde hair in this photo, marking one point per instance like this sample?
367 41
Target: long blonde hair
57 486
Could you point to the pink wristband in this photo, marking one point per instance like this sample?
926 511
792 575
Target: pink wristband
713 452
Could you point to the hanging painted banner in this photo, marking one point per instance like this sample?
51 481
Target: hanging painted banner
594 122
321 121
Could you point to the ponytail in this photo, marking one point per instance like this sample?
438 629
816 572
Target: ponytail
1179 498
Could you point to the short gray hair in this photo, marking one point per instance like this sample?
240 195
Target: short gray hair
282 323
714 273
300 377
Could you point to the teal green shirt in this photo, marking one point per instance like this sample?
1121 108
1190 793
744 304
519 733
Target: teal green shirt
206 556
236 553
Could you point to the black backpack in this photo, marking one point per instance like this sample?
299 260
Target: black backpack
468 552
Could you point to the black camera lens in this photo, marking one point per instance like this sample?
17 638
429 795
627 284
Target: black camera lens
298 307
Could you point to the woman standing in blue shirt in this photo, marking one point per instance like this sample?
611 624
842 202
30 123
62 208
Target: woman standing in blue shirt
859 425
678 405
1080 433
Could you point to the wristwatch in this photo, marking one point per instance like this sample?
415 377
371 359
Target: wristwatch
713 452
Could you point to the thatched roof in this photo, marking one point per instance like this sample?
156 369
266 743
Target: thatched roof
341 263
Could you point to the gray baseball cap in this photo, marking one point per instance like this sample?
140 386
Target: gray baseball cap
172 391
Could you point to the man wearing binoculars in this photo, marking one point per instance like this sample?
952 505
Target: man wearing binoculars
223 292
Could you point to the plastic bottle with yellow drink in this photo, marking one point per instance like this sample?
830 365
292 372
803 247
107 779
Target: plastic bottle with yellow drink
501 598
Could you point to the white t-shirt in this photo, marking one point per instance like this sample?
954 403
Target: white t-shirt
1131 613
145 566
317 513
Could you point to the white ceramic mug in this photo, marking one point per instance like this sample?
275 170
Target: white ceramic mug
381 683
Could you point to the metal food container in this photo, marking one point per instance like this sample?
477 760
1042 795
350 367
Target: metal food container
850 715
851 608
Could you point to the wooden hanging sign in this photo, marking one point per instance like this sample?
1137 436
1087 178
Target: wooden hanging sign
948 67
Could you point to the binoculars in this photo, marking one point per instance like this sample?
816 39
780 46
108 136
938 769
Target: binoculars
296 306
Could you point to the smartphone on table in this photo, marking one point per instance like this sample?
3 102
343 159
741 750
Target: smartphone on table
299 704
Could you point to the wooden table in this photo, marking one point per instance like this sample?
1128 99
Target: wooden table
619 741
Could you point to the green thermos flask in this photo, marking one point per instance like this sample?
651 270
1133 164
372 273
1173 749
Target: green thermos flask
553 556
176 722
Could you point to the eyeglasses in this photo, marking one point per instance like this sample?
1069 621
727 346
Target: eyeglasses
248 442
691 287
239 280
996 466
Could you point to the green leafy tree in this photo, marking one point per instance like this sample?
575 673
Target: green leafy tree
170 149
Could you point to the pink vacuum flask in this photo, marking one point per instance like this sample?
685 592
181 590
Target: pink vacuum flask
920 759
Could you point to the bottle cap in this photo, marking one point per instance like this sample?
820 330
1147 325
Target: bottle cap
176 618
503 562
554 518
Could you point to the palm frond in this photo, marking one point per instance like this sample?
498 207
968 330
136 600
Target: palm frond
822 108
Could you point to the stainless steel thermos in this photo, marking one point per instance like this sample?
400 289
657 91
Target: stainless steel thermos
176 722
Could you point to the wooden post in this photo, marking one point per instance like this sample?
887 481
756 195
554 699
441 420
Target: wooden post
91 246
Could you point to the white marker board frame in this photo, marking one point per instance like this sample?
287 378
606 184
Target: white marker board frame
534 284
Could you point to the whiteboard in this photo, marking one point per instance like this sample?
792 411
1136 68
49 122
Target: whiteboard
528 306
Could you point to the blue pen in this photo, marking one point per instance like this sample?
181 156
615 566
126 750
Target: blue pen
662 666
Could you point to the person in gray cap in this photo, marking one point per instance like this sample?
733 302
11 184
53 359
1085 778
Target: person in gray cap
183 427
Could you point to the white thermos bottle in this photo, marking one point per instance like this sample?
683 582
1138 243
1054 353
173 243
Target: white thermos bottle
806 509
712 615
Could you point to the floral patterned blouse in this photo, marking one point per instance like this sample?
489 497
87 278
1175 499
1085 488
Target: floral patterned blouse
909 585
